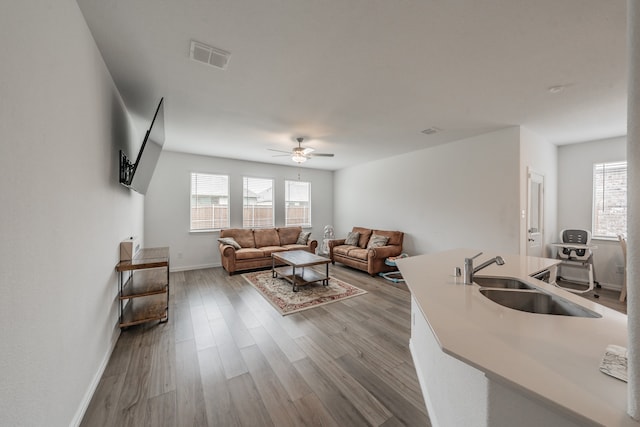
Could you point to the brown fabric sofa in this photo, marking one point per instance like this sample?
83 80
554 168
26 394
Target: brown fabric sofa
370 260
258 245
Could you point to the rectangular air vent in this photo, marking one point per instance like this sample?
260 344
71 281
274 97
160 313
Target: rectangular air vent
209 55
431 130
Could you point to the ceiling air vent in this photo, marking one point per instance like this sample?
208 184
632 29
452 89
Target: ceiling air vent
209 55
431 130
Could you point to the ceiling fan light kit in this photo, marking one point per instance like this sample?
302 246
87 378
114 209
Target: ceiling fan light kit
298 157
299 154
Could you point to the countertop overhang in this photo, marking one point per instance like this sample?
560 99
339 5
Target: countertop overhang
552 358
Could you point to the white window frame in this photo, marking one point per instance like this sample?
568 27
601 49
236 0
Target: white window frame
287 193
251 222
194 191
609 200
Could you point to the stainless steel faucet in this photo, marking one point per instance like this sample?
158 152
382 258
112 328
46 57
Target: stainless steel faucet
469 271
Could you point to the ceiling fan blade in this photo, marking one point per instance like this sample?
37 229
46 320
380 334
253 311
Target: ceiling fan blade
307 151
279 151
281 155
320 155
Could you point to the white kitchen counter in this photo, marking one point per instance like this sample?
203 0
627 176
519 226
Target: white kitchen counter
549 359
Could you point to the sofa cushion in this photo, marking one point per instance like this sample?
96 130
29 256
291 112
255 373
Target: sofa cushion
243 236
359 253
365 233
249 253
268 250
352 239
289 235
266 237
377 241
344 249
395 237
229 241
303 237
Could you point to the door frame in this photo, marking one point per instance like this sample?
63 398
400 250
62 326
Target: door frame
535 177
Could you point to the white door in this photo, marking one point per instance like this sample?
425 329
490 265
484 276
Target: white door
535 214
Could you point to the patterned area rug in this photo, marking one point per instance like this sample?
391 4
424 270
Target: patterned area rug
280 294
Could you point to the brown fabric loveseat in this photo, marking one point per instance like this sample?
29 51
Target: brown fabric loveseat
256 246
363 257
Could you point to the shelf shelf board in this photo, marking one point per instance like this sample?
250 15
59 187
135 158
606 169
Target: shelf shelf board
145 282
146 258
139 310
303 275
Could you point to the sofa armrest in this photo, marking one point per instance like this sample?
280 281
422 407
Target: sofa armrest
377 256
228 257
227 250
313 245
385 251
333 243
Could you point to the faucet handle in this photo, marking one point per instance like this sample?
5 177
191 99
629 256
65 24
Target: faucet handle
475 256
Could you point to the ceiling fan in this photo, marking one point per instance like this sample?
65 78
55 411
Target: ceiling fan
300 154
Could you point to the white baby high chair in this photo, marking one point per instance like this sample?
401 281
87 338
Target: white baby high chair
575 250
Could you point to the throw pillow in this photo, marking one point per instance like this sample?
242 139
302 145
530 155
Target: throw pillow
229 241
352 238
303 237
376 241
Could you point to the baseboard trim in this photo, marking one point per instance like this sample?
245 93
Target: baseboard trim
86 400
194 267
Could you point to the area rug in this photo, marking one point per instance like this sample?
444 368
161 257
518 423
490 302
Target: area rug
280 294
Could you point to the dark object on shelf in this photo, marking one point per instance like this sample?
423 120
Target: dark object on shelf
137 176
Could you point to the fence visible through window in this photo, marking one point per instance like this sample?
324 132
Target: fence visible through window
209 217
256 216
297 204
209 202
298 215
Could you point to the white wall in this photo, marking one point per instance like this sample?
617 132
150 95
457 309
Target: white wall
63 212
575 200
461 194
167 203
542 157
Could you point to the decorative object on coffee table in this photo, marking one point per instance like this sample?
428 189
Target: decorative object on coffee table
278 292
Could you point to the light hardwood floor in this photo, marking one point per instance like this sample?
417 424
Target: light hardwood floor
607 297
227 358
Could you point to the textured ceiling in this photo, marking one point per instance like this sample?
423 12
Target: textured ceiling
363 78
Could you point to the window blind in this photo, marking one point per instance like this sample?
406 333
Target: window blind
297 203
609 199
257 203
209 202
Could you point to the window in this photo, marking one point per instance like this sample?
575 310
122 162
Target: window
297 203
257 203
209 202
609 199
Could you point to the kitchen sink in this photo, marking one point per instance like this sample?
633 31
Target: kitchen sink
533 301
501 282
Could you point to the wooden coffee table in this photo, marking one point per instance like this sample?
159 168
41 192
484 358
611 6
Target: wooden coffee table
295 272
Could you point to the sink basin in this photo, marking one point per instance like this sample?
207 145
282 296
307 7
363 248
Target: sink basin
501 282
536 302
